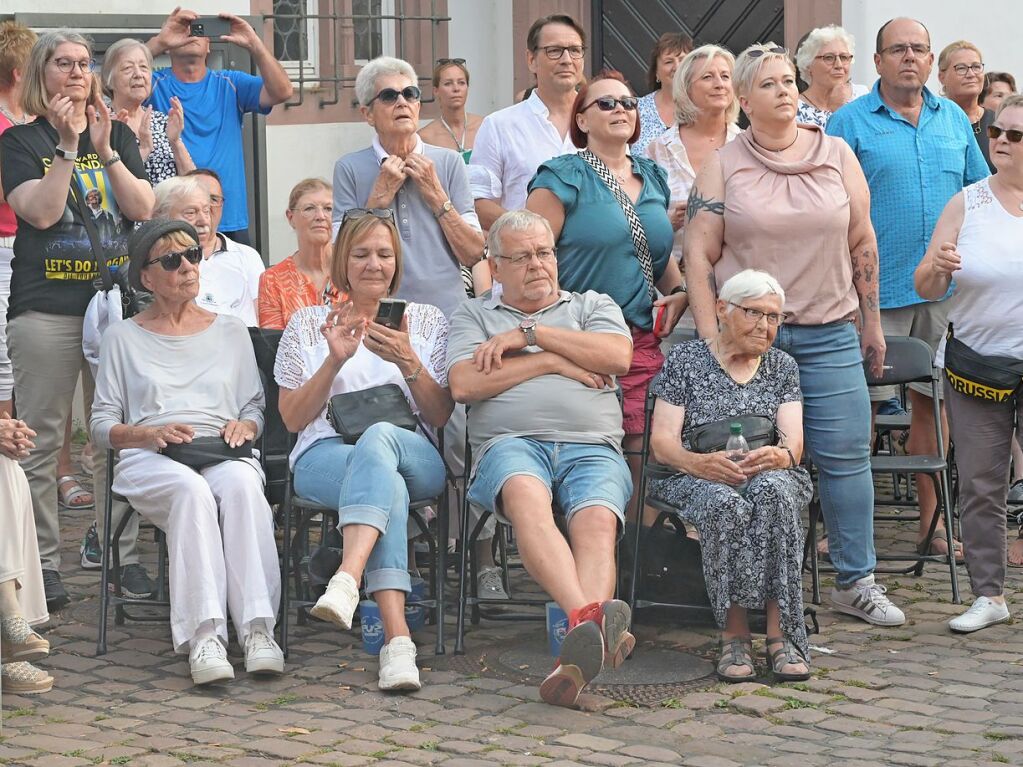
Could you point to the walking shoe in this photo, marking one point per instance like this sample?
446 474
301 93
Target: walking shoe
24 679
338 603
614 617
866 600
18 642
135 582
1015 495
91 551
56 594
208 662
262 654
581 659
398 669
489 585
982 613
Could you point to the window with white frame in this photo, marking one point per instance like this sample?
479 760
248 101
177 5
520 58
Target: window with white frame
374 36
296 36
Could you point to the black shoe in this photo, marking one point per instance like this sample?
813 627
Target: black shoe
56 594
135 582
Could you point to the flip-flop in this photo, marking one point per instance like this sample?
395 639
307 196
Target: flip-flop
70 499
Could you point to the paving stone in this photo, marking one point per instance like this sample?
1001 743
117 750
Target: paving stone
651 753
589 742
758 705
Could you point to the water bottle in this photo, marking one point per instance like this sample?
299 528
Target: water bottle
736 449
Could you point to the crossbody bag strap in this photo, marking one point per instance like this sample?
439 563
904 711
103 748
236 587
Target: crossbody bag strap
639 240
76 196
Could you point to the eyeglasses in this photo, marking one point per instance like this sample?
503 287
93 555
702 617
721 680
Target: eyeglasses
756 53
977 68
390 95
900 50
66 65
755 315
171 262
608 103
310 210
831 58
1012 136
555 52
354 214
458 62
216 201
543 255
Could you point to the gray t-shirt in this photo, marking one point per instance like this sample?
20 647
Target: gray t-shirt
550 408
203 380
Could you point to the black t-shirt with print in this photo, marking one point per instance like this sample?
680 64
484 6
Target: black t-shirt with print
53 269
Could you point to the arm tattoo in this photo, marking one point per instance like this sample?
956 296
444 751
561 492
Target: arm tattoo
865 278
698 202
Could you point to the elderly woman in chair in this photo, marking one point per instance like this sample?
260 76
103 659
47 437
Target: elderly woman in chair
746 511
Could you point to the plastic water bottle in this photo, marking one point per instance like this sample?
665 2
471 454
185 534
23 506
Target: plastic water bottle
736 449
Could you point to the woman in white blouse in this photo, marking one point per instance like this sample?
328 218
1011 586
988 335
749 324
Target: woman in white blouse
326 351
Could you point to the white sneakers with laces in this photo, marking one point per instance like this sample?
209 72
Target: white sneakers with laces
398 670
262 654
982 613
338 603
866 600
208 661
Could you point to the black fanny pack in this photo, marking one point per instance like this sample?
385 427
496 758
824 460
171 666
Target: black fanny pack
206 451
987 377
759 431
351 413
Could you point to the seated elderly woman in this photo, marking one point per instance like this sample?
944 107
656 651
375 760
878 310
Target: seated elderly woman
325 351
746 512
175 374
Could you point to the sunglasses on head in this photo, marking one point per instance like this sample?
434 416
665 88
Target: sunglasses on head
390 95
608 103
756 53
459 62
354 214
172 261
1012 136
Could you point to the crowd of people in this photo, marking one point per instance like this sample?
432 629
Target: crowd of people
539 258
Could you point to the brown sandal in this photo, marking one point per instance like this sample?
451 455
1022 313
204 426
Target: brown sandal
736 652
785 655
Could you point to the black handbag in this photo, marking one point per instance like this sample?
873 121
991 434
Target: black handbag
984 376
352 412
759 431
205 451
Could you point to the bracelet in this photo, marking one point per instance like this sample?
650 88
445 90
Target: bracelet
792 456
682 288
415 374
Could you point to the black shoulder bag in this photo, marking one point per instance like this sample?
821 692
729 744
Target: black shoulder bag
984 376
352 412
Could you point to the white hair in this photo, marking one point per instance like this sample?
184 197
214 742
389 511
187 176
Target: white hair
112 58
169 191
816 40
749 284
366 80
513 221
692 66
747 68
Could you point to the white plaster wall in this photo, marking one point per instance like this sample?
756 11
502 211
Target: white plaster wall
100 7
480 31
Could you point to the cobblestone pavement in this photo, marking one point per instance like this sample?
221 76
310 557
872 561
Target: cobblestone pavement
913 695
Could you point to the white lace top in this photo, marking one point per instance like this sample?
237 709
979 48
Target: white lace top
303 349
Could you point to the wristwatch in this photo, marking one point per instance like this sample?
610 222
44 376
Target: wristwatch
67 154
528 326
114 159
681 288
444 208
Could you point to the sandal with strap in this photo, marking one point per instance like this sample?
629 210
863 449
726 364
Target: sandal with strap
72 498
736 652
785 655
927 548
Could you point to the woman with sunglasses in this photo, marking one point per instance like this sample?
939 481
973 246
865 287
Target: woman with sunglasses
327 350
978 243
824 58
961 74
455 128
48 166
170 375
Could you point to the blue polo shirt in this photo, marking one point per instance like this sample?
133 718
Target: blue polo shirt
913 171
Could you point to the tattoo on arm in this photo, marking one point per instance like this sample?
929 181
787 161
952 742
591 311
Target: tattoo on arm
698 202
865 278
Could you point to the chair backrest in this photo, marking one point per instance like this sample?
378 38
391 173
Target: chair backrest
906 360
276 441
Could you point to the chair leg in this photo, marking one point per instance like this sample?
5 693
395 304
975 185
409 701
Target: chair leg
941 487
463 569
104 593
815 574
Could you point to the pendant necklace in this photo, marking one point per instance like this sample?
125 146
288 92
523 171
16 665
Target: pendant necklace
465 128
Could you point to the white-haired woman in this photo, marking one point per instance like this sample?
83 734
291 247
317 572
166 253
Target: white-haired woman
824 59
747 512
786 198
705 113
127 79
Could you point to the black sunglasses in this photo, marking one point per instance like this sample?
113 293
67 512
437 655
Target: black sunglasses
390 96
608 103
459 62
354 214
172 261
756 53
1012 136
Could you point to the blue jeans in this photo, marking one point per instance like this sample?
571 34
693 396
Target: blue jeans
371 483
836 425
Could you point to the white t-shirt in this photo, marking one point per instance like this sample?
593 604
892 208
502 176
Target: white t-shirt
229 281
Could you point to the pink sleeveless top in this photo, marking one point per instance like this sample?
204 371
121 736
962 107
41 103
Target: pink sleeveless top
791 220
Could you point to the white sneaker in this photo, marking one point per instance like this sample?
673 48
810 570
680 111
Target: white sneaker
489 585
398 669
338 603
866 600
208 662
262 654
982 613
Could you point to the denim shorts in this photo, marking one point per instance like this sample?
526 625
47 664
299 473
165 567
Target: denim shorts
576 475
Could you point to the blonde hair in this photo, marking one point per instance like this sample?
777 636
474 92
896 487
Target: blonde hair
350 233
34 98
305 186
747 67
16 41
958 45
113 57
686 112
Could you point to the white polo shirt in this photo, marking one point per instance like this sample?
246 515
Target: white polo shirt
229 281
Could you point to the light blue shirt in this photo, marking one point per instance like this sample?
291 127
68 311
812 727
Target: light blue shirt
912 171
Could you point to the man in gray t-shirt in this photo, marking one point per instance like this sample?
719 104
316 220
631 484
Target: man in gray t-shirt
538 366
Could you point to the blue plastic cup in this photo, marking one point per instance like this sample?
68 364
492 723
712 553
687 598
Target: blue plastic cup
415 613
372 626
557 627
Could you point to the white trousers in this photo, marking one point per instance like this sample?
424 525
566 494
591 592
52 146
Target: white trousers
6 371
220 540
19 553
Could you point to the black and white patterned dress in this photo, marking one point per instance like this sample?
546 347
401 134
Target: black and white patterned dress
752 544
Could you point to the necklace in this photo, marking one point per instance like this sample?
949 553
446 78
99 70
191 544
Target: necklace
776 151
719 355
465 128
14 120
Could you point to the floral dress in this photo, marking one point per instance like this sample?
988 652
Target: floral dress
752 543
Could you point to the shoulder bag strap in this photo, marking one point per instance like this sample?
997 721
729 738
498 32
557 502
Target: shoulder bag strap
639 241
76 195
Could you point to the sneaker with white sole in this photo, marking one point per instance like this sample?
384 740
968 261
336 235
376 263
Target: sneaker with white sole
338 603
398 670
208 662
489 584
866 600
262 654
982 613
580 661
90 551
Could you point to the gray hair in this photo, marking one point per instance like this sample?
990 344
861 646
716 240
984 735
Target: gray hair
747 67
816 40
513 221
691 67
170 191
1012 100
749 284
112 58
366 80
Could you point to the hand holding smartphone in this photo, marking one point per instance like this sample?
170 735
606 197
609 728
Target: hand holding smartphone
390 312
212 27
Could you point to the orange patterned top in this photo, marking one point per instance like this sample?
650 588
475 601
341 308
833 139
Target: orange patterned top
283 290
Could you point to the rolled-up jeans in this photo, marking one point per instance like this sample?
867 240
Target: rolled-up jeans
836 427
372 483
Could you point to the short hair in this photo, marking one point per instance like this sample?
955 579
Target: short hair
879 42
686 112
749 284
747 67
206 172
958 45
817 39
513 221
579 138
533 36
997 77
34 98
170 191
366 80
669 42
1012 100
16 41
305 186
113 56
94 192
444 64
351 232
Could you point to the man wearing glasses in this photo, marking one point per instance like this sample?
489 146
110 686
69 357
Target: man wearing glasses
512 142
917 150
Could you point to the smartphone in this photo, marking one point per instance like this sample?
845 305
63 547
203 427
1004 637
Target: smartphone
209 26
659 322
390 312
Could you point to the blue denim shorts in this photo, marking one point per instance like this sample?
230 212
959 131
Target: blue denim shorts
576 475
